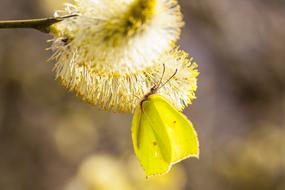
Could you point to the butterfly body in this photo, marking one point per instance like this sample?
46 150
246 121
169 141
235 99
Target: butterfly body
162 136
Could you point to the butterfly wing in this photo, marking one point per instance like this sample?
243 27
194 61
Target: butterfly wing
182 136
162 135
150 143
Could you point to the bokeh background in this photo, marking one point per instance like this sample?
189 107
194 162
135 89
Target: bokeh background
51 140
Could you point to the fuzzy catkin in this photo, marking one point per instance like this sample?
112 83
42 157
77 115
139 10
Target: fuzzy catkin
113 52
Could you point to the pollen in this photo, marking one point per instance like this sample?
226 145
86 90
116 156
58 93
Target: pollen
122 93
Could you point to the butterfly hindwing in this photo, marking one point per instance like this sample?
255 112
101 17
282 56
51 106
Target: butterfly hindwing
147 144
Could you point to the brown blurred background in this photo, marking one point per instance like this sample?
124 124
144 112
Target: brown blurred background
51 140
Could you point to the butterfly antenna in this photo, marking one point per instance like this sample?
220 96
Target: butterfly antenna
169 79
160 81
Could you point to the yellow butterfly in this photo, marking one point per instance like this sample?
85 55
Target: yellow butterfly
162 136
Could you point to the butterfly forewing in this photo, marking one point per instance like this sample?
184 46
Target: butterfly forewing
182 136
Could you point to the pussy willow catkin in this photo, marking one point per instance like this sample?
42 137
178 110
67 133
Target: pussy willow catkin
113 52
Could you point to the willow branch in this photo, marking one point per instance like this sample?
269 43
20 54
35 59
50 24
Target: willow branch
41 24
